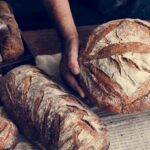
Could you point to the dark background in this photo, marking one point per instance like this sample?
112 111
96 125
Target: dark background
31 15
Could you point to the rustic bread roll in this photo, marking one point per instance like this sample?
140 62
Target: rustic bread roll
48 115
11 46
115 66
8 134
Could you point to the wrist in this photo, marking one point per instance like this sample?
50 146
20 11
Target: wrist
68 33
71 38
70 45
70 41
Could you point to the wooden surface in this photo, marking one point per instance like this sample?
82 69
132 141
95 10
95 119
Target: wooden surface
47 41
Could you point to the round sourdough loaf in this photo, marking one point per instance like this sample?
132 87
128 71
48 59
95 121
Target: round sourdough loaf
8 134
115 66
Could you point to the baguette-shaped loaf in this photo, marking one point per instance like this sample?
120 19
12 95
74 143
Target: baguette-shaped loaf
11 46
48 115
115 66
8 134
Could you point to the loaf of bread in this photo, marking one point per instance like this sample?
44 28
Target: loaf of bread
48 115
115 66
8 134
3 33
11 46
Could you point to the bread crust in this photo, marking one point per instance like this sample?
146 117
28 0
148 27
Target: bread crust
8 134
115 66
11 46
48 115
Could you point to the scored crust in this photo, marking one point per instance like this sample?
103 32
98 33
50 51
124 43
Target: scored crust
115 66
56 119
11 45
8 134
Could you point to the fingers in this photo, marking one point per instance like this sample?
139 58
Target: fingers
74 84
69 66
73 65
71 79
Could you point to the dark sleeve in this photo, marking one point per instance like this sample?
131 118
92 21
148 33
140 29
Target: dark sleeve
114 9
109 7
26 6
140 9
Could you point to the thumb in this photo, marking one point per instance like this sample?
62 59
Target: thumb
73 65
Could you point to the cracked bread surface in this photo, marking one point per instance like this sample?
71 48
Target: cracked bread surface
115 66
48 115
11 45
8 134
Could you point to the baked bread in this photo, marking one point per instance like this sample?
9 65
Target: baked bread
48 115
3 32
8 134
11 46
115 66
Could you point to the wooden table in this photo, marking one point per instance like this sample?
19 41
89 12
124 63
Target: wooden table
47 41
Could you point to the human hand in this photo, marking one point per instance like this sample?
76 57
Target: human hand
69 67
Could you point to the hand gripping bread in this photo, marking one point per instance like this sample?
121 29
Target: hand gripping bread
8 134
115 66
11 46
48 115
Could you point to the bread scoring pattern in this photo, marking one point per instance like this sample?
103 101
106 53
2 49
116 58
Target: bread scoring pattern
115 66
48 115
8 134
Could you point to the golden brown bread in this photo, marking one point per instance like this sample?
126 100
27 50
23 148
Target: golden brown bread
48 115
8 134
115 66
11 46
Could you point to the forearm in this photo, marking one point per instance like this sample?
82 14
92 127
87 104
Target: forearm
61 13
69 66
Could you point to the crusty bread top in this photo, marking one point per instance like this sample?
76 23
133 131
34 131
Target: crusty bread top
117 33
50 108
12 45
8 134
129 70
120 50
